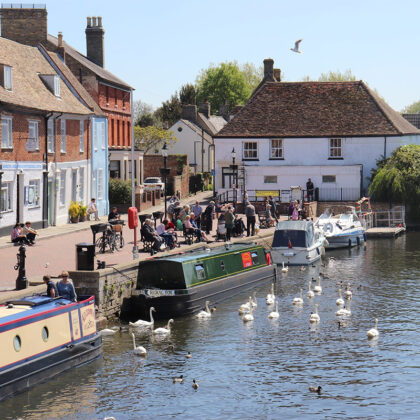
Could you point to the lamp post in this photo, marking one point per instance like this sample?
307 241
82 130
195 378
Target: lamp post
234 168
164 171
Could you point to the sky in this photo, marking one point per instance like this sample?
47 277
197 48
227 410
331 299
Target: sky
156 46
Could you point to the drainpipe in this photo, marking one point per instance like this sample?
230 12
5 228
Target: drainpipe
45 176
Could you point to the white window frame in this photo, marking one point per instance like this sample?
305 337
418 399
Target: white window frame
63 178
6 197
57 86
7 75
32 193
100 183
276 149
82 184
82 136
335 148
63 145
33 133
248 151
50 136
6 132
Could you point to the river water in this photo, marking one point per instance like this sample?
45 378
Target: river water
263 369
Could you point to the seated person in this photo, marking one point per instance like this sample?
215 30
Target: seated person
149 234
52 290
167 236
93 209
197 232
29 232
65 287
114 214
268 216
238 226
17 237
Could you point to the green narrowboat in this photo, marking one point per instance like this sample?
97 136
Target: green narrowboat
180 284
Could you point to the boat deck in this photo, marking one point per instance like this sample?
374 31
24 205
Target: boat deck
384 232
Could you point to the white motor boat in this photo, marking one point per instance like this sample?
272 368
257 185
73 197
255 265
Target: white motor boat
297 242
342 230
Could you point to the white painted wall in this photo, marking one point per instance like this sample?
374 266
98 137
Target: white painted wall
310 152
187 140
124 157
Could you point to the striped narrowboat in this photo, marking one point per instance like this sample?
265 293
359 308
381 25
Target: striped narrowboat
180 284
41 337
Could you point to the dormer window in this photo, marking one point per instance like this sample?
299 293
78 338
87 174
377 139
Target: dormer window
52 82
7 77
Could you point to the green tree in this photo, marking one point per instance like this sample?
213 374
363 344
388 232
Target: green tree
414 108
398 180
152 138
188 94
170 111
224 84
140 109
333 76
146 120
252 74
119 191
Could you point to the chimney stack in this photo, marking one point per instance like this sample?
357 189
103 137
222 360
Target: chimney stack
60 46
95 41
189 112
269 69
277 75
204 108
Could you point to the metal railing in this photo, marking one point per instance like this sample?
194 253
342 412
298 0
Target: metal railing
390 218
339 194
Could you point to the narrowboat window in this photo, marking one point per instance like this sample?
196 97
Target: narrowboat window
45 334
254 257
201 274
17 343
222 265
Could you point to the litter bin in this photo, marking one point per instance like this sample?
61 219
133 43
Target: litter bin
85 256
157 215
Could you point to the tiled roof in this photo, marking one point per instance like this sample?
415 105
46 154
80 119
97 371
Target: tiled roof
217 122
29 90
413 119
98 70
316 109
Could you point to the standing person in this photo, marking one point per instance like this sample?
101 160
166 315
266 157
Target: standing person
295 212
290 209
93 209
114 214
29 232
65 287
17 237
250 219
197 210
229 222
273 207
52 290
208 217
310 190
244 200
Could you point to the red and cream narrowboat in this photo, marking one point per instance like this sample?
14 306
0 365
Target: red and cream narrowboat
41 337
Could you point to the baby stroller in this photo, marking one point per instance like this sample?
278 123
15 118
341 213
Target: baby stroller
221 228
238 227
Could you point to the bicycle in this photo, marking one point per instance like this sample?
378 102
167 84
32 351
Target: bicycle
113 240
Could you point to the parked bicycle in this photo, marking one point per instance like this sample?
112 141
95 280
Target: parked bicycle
113 238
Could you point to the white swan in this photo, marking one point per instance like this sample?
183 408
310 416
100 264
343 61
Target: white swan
165 330
244 308
302 268
373 332
141 323
298 300
344 311
348 294
249 317
315 317
206 313
339 301
284 268
140 350
275 314
107 331
318 288
271 297
310 293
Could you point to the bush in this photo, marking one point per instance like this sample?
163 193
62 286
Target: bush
74 209
82 210
119 191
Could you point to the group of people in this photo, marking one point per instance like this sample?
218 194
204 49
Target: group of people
296 211
63 288
23 234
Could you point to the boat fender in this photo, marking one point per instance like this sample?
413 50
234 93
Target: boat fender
268 258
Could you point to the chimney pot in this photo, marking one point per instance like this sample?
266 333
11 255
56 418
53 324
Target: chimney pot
94 21
95 42
277 75
89 21
268 69
100 21
60 39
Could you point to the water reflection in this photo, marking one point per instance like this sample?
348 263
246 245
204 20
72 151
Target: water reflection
264 368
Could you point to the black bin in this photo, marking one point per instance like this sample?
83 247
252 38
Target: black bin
98 228
85 256
158 215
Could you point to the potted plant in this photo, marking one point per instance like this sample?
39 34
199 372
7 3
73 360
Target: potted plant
74 210
82 213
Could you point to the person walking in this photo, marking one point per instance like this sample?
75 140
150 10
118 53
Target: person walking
229 222
208 217
250 219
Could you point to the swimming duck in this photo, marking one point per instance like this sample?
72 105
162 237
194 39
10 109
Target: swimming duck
179 380
316 389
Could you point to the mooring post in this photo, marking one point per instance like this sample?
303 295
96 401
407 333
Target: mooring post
21 281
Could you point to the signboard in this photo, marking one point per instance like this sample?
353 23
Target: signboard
88 319
264 193
246 259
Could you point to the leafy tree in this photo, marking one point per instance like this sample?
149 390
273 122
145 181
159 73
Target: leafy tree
333 76
140 109
188 94
252 74
414 108
224 84
146 120
119 191
152 138
170 111
398 180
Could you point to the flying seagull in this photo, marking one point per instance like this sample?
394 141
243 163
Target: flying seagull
296 49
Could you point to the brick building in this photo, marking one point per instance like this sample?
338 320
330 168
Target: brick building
44 133
29 26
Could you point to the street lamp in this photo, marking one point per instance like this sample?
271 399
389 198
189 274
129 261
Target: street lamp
164 171
235 174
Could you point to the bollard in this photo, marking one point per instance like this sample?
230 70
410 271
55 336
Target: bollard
21 281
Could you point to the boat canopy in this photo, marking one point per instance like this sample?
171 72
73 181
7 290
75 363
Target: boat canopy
299 233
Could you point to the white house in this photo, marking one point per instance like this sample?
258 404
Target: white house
331 132
194 132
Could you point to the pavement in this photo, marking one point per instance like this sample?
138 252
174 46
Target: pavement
55 249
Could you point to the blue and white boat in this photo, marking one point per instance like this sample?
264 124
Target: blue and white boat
297 242
41 337
342 230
